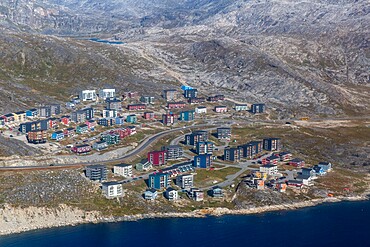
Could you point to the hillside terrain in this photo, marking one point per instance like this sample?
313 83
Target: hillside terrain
300 57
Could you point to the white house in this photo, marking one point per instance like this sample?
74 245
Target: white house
201 110
112 189
107 93
87 95
185 181
123 170
109 113
171 194
269 169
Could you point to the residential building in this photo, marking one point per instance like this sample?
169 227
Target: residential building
114 104
169 119
297 162
232 154
65 120
149 115
107 122
204 147
109 113
157 158
111 138
248 150
326 166
8 118
132 95
216 98
257 108
150 194
120 120
81 149
57 135
295 183
269 169
52 123
285 156
203 161
147 99
201 110
37 136
272 144
220 109
260 184
78 116
185 181
86 95
196 100
187 115
281 187
82 128
69 132
19 116
195 137
191 93
124 132
272 159
112 189
241 107
55 109
144 165
91 124
131 119
196 194
173 152
319 170
32 113
170 94
158 181
44 111
176 105
100 145
308 172
36 125
70 105
123 170
89 113
96 172
108 93
217 192
224 133
136 107
171 194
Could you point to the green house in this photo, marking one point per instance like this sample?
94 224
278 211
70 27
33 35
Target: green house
111 139
131 119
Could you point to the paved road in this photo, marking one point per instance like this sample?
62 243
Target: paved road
141 147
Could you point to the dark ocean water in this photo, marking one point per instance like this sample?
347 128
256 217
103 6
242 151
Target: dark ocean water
337 224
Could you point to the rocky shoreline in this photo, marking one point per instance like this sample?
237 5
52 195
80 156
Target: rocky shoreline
17 220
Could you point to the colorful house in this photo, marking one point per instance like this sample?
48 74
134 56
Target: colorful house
111 138
131 119
81 129
158 181
202 161
272 144
65 120
136 107
176 105
19 116
69 132
81 149
220 109
91 124
216 98
150 194
187 115
169 119
285 156
146 99
196 100
326 166
149 115
157 158
57 135
37 136
241 107
120 120
257 108
32 113
297 162
232 154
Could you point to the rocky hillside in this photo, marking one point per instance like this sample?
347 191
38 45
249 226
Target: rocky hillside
300 57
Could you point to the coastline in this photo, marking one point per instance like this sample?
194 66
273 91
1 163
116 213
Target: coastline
18 220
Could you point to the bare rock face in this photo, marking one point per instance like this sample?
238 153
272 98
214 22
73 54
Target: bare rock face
299 57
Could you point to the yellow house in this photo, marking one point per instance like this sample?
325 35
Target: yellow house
19 116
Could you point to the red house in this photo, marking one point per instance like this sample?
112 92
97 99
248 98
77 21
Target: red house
52 122
65 120
136 107
149 115
169 119
157 158
273 159
124 132
285 156
176 105
297 162
81 149
216 98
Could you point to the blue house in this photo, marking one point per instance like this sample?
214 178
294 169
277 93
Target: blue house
31 113
187 115
319 170
120 120
131 119
326 166
158 181
203 161
258 108
57 135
